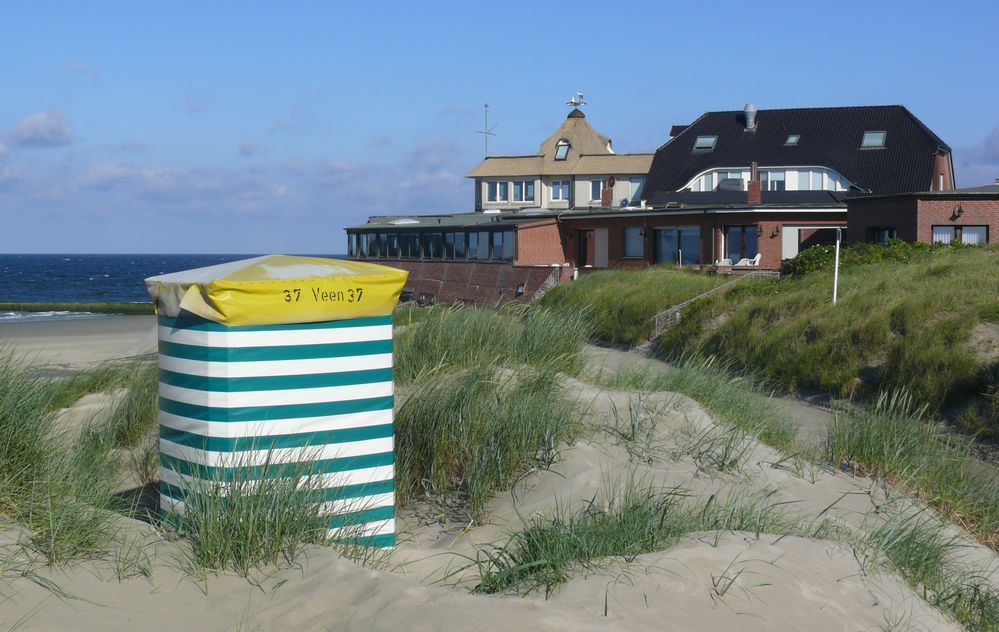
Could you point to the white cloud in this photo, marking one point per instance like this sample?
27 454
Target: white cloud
42 129
249 148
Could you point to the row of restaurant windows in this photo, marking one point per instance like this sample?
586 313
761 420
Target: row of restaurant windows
682 245
970 235
494 245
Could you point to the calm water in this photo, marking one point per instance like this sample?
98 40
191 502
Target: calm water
89 278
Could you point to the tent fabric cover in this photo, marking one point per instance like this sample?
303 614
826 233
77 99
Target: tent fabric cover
279 289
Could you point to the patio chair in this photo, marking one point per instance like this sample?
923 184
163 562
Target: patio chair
755 261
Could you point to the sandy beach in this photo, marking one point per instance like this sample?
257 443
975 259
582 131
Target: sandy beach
709 581
80 342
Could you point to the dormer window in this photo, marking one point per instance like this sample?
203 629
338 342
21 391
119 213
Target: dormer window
792 140
705 143
561 149
873 140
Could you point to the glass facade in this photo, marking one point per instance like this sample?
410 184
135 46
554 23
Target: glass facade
485 245
740 242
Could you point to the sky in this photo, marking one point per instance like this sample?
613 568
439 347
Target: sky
225 127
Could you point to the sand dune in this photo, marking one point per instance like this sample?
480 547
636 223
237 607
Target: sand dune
709 581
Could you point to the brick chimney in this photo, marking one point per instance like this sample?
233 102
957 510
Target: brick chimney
753 194
607 197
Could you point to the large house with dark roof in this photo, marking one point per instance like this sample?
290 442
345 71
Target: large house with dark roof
735 190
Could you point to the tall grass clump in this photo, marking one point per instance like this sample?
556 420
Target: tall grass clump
621 303
26 426
626 523
136 411
733 397
898 324
897 440
244 515
472 433
918 548
455 338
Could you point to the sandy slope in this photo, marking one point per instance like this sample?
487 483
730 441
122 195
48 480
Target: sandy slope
774 583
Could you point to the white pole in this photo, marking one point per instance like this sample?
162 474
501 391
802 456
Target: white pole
839 233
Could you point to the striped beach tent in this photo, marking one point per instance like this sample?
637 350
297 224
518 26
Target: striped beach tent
281 366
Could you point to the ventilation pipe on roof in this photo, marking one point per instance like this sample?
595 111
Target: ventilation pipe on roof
750 112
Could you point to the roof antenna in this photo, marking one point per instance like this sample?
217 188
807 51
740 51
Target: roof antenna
486 131
576 101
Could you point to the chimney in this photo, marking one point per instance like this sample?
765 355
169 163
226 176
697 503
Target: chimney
607 197
753 194
750 113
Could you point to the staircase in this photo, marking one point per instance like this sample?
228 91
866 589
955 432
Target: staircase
550 282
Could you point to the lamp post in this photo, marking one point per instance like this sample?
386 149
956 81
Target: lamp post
839 236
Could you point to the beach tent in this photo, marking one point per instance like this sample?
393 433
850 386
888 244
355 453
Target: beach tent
278 365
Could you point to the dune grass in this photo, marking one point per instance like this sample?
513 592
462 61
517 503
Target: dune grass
898 440
94 308
917 547
734 398
625 522
450 339
620 304
470 434
897 325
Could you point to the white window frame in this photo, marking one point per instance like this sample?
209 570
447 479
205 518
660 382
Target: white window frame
523 184
562 149
494 188
705 143
871 135
599 184
556 186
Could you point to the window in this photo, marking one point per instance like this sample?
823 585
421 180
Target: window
792 140
483 252
678 245
873 140
970 235
810 181
409 247
596 188
392 245
351 244
880 235
771 180
561 149
705 143
634 243
740 242
449 245
560 190
373 245
523 191
498 191
503 245
459 245
637 186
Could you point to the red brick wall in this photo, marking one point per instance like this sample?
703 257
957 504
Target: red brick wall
941 166
471 281
540 244
862 215
974 212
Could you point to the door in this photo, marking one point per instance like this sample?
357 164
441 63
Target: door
790 240
601 248
585 248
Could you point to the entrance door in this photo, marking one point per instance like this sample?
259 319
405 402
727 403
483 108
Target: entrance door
586 245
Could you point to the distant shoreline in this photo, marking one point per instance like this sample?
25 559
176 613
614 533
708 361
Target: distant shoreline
94 308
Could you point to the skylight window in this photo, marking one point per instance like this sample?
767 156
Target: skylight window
561 149
873 140
706 143
792 139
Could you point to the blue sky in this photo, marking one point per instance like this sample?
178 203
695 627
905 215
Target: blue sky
251 127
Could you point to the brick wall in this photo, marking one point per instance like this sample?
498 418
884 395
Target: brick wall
482 283
973 212
864 214
539 244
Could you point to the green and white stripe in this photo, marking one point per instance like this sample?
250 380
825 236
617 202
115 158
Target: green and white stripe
314 396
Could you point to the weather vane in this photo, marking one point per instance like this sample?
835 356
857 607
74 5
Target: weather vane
576 101
486 131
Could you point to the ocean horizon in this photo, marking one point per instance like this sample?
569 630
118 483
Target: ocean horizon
91 278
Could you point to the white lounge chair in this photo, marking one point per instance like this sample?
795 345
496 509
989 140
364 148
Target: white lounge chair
723 262
755 261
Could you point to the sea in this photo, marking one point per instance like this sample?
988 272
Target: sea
75 278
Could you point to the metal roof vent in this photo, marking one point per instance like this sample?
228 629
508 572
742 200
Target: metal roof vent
750 112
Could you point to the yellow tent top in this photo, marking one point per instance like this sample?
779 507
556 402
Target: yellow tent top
279 289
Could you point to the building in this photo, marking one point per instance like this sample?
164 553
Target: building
970 216
734 190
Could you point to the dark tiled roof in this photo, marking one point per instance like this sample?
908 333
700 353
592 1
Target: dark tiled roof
829 137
